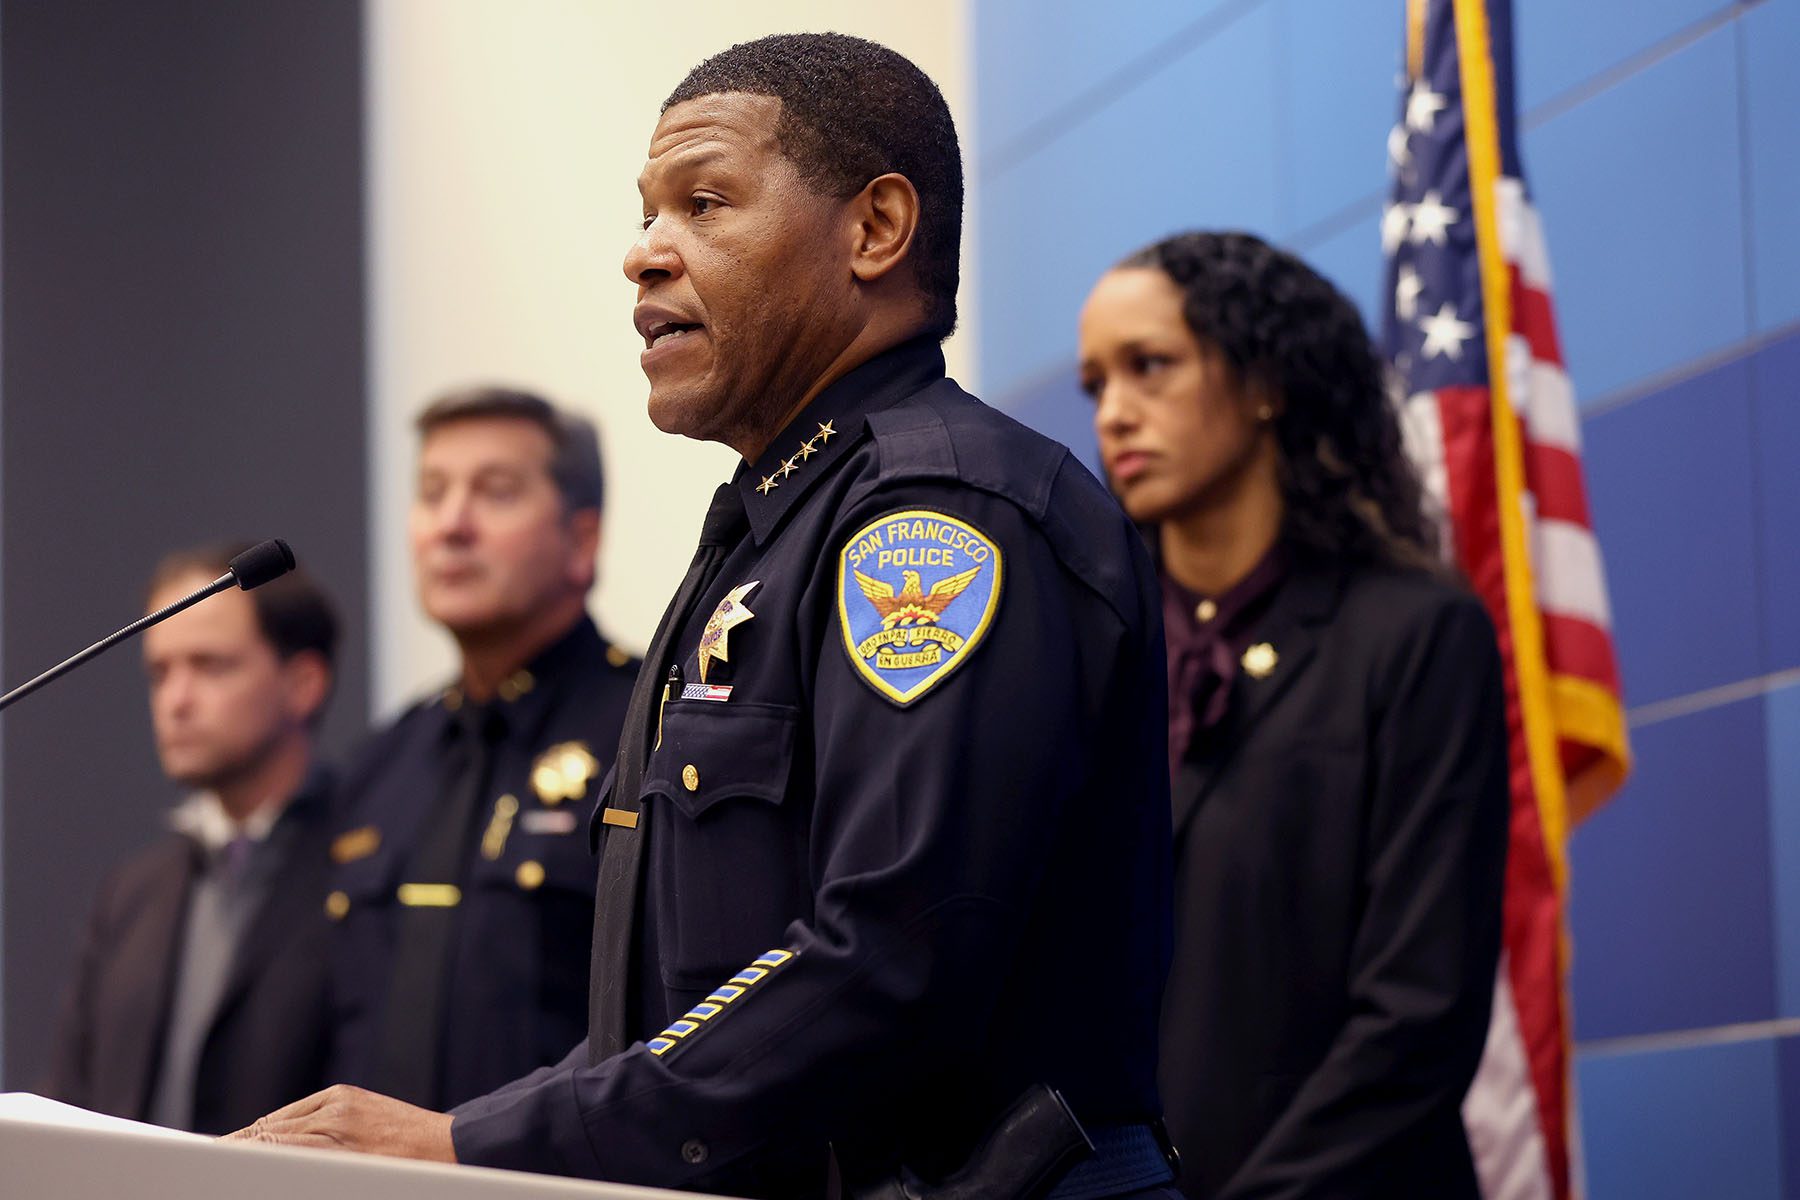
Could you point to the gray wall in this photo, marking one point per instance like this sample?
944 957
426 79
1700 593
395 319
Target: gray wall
181 360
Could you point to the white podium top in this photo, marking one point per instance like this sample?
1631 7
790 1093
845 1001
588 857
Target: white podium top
50 1151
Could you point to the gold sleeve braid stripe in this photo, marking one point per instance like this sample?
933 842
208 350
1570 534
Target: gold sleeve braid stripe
726 994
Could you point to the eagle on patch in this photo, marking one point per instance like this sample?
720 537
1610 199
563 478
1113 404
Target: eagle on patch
912 605
904 635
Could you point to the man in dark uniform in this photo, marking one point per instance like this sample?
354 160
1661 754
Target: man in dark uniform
464 881
199 999
887 844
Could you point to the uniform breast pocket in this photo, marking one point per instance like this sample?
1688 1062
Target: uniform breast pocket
724 855
535 849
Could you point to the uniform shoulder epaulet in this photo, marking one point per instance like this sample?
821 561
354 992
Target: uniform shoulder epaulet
945 433
913 442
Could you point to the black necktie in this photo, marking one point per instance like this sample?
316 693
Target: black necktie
412 1026
621 862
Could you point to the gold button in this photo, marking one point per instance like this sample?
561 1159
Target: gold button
530 875
616 657
1205 611
337 906
690 777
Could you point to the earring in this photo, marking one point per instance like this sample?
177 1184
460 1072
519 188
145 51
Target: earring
1265 414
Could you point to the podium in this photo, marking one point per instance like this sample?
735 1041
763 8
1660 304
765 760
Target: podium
41 1161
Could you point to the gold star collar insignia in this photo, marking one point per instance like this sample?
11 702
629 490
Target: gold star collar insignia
732 612
808 448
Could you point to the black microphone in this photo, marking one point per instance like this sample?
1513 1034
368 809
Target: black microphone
261 563
253 568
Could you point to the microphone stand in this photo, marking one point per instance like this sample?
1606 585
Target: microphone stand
251 569
69 664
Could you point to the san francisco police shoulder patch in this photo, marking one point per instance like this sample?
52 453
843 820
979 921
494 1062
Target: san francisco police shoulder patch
917 591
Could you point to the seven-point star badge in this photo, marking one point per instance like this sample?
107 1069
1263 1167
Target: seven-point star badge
732 611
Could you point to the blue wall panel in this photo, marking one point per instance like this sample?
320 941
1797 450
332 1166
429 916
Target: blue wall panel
1671 901
1770 39
1669 481
1641 204
1066 48
1146 166
1339 62
1698 1124
1352 260
1787 1055
1783 724
1562 45
1775 384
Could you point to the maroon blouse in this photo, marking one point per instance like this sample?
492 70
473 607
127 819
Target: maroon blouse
1207 636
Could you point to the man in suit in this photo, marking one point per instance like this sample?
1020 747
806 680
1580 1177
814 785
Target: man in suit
464 886
199 998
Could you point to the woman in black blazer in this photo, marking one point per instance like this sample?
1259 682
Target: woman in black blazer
1337 733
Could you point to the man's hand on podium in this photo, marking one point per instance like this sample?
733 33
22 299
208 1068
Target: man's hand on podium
348 1118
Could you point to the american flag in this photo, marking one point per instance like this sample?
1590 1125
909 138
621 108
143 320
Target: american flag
1490 418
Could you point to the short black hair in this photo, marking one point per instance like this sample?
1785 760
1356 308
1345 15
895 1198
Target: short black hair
293 613
575 443
852 110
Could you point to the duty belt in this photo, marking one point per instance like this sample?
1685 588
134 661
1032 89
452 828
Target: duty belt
1037 1151
1126 1159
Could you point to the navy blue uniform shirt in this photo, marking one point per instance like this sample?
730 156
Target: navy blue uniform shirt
514 988
902 816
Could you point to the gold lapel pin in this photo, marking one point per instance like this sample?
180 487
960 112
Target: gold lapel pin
1260 659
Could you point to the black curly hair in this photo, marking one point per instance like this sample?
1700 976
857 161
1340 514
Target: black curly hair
1350 491
851 110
